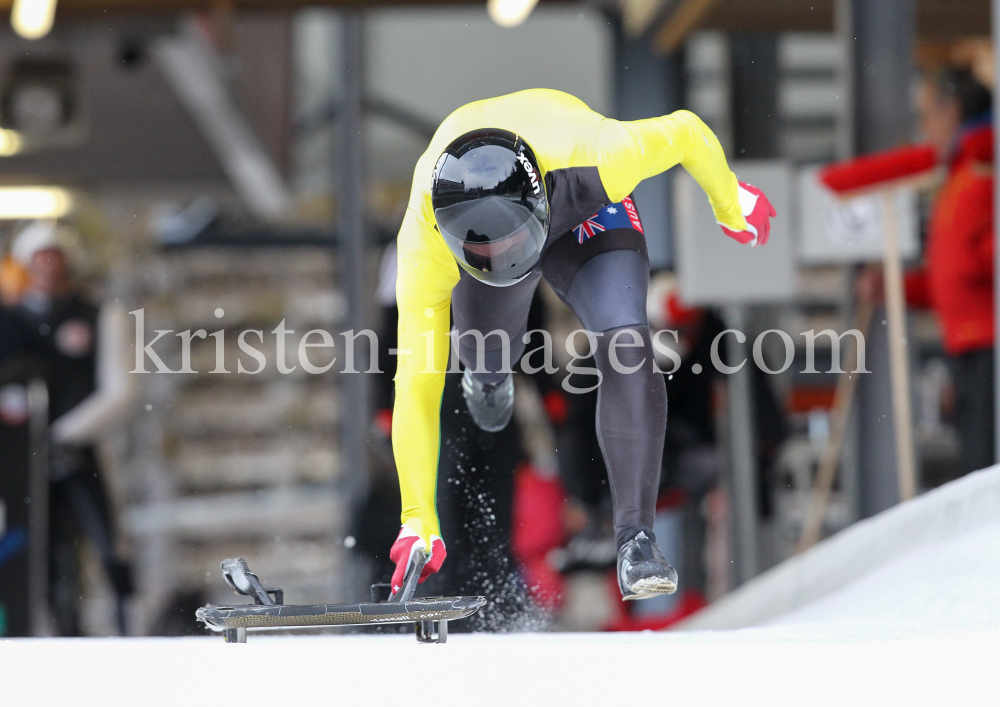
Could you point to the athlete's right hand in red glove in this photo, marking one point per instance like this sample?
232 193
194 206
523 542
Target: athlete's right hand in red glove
410 539
757 212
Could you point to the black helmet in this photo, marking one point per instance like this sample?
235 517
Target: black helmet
490 205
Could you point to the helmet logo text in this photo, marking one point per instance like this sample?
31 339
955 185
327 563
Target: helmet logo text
532 175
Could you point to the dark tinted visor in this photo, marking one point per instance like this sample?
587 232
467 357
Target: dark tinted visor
494 239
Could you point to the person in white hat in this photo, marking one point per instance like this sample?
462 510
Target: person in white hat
87 393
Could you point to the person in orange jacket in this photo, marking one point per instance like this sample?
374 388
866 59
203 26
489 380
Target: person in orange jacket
956 280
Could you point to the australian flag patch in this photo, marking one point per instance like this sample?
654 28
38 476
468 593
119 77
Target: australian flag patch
622 214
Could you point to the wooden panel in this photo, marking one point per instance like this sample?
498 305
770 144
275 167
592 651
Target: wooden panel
772 15
936 19
951 19
687 16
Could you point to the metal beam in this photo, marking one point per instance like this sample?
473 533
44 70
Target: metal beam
881 36
352 254
649 85
753 75
390 110
884 39
191 70
38 513
743 450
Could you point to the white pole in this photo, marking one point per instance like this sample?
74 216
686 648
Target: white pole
899 363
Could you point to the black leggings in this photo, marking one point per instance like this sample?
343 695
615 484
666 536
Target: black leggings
608 294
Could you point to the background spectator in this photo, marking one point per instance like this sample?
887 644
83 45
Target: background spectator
957 278
62 333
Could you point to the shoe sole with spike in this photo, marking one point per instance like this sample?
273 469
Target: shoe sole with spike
650 587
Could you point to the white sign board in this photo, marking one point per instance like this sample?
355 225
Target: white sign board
849 231
712 268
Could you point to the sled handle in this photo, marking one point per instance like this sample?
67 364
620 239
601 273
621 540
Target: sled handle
417 562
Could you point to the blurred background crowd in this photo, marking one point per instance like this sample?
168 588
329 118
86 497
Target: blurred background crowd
192 170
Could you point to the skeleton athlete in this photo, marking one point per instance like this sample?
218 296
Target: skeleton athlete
529 185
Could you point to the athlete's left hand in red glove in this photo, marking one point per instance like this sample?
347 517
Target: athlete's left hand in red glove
758 212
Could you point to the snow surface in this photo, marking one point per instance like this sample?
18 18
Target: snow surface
923 629
946 588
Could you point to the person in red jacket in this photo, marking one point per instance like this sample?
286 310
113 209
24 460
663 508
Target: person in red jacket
957 278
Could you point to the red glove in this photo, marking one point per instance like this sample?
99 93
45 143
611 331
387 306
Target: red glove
758 212
407 542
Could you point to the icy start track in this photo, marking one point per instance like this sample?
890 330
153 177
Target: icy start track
921 629
745 667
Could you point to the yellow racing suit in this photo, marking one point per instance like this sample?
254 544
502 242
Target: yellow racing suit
587 162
